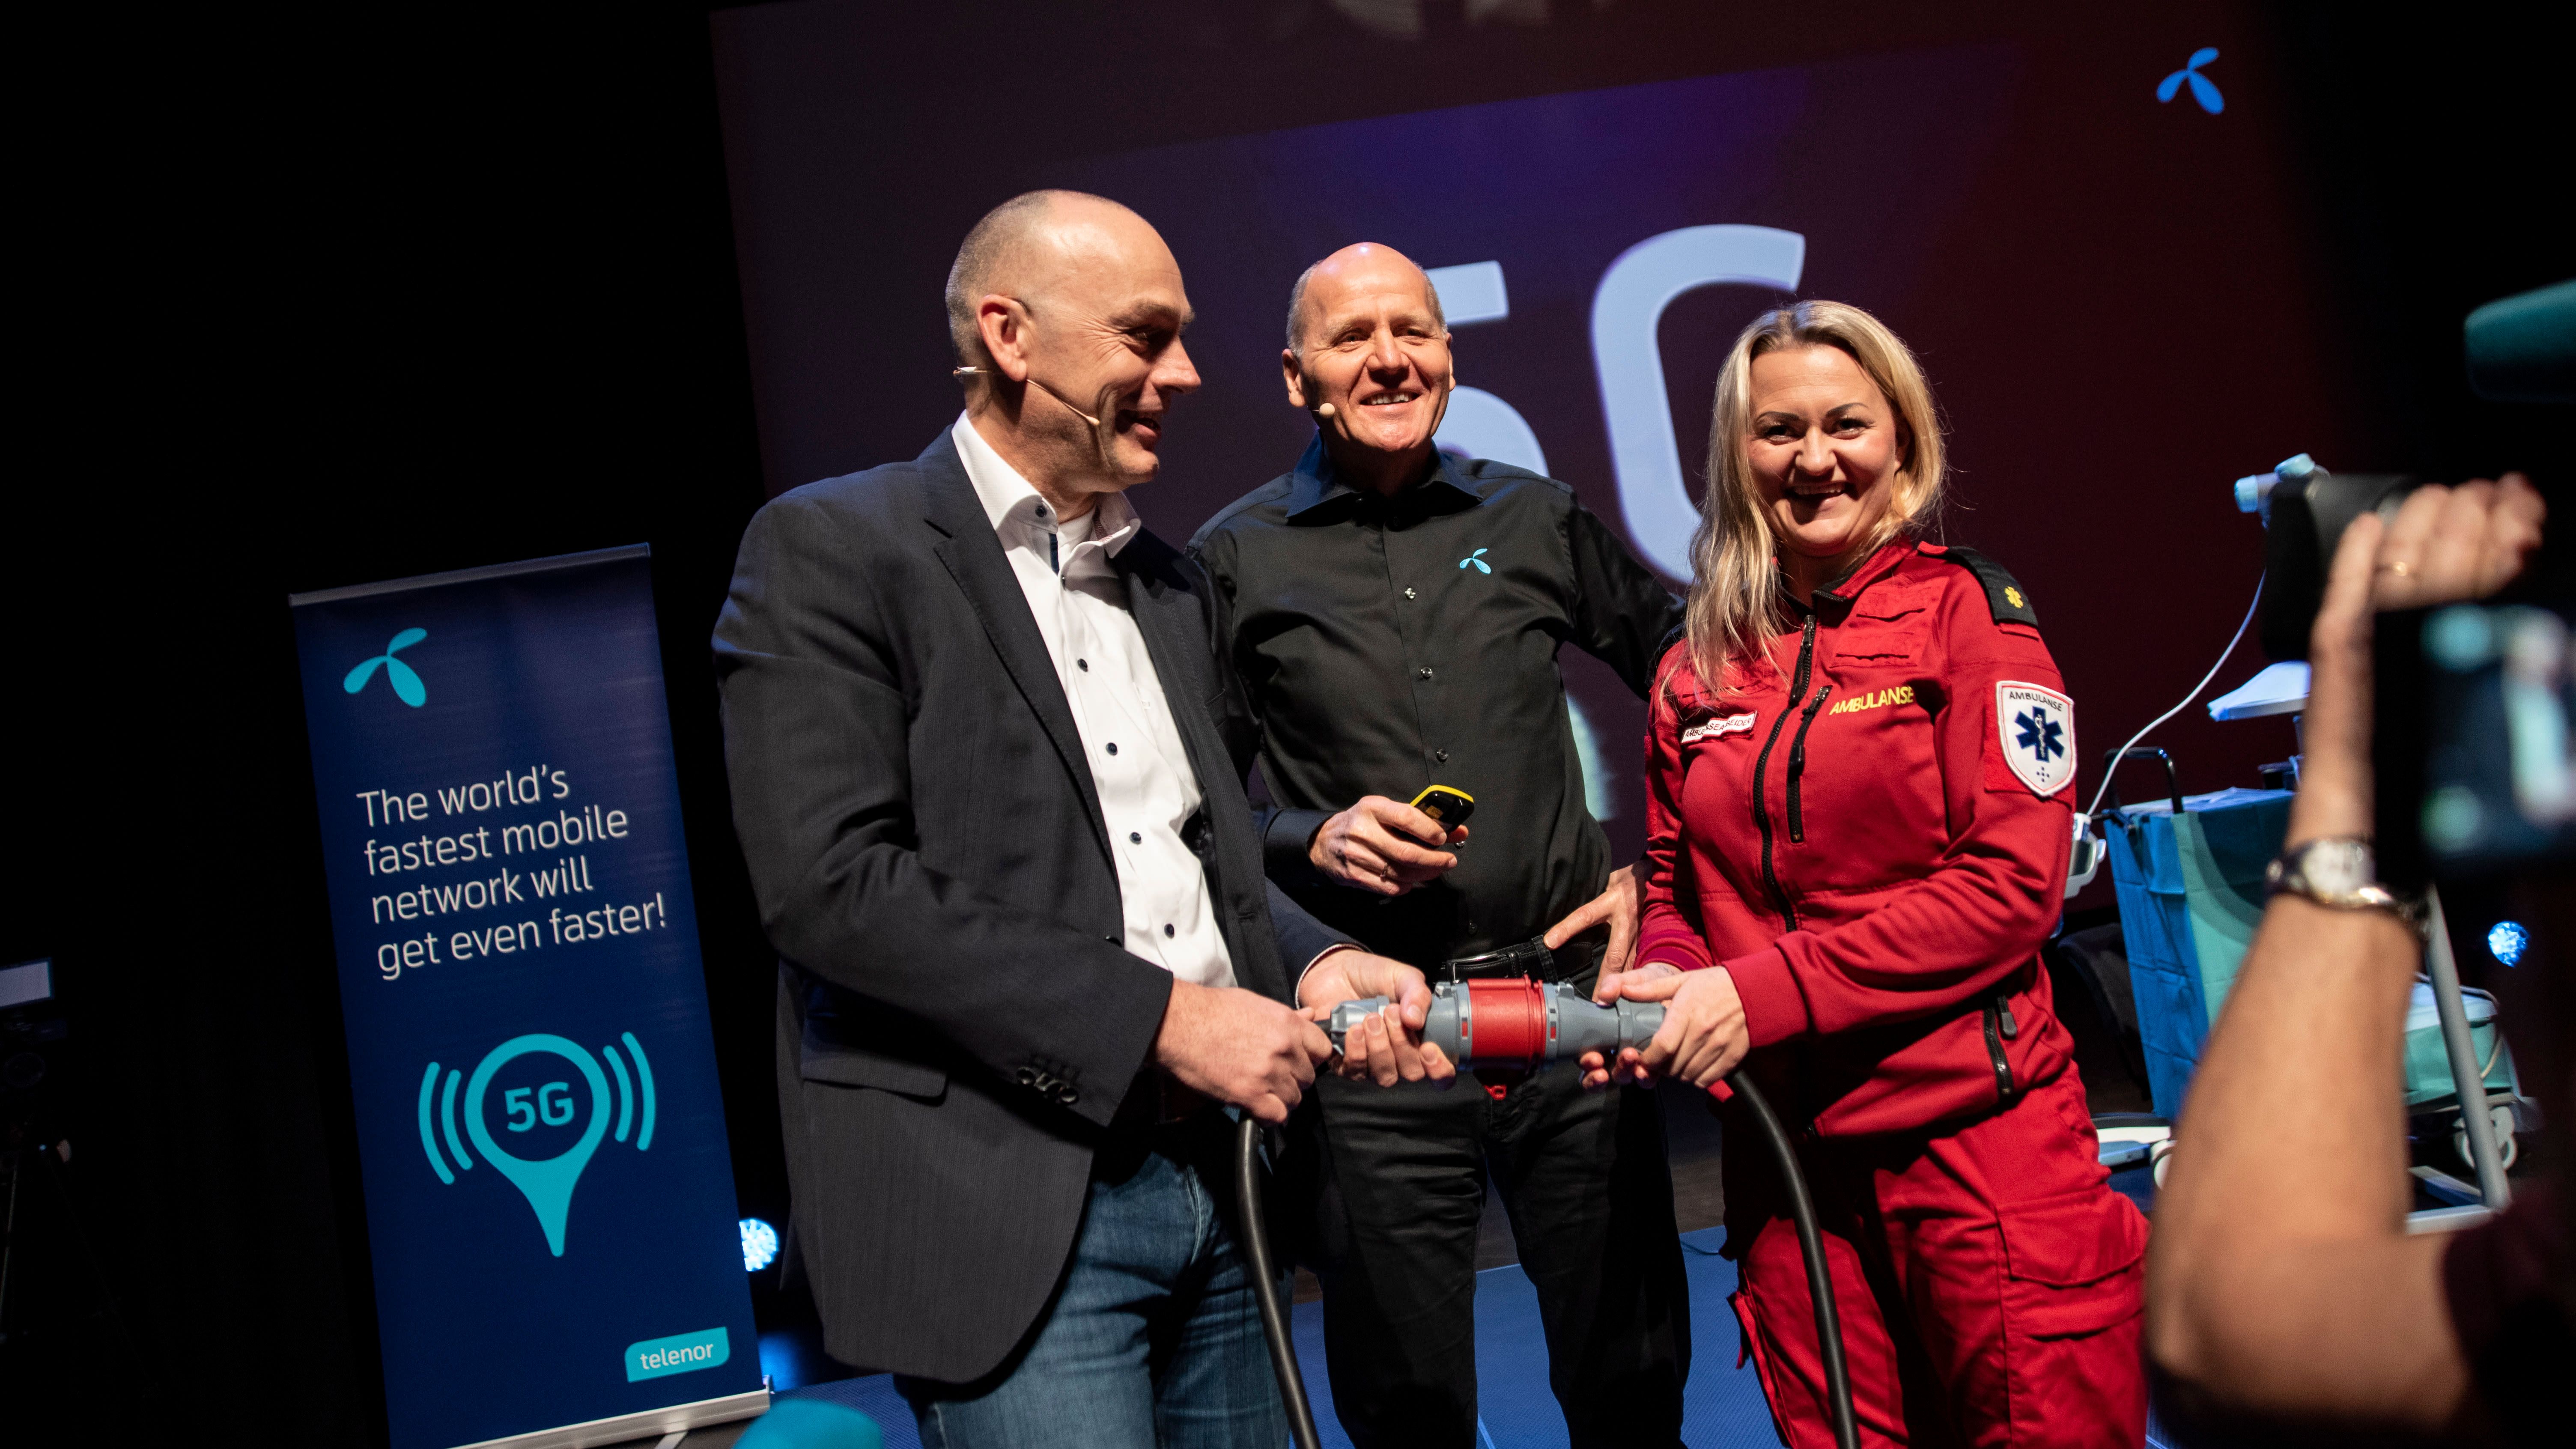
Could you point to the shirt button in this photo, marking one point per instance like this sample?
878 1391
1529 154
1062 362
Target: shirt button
1408 593
1441 755
1083 664
1133 838
1113 746
1167 931
1426 671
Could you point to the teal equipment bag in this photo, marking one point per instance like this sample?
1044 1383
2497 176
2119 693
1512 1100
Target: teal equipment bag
2190 887
2428 1064
2431 1091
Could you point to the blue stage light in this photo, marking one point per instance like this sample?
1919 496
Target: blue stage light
759 1245
2506 939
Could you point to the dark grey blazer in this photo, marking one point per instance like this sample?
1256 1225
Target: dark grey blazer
957 1019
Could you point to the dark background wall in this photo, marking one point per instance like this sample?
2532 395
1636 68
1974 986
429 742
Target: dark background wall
2113 296
387 296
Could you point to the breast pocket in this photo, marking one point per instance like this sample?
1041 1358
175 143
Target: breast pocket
1884 631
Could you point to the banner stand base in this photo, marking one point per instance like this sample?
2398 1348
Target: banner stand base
624 1427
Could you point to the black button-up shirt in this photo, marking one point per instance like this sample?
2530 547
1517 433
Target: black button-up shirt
1385 644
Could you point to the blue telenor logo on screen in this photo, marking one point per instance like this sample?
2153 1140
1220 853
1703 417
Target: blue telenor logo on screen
2202 90
547 1182
406 683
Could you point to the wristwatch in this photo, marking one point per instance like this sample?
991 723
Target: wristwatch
2339 872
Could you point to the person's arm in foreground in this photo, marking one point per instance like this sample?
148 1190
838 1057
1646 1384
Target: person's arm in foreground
2281 1284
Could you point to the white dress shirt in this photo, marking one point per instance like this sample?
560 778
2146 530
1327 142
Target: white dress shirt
1146 786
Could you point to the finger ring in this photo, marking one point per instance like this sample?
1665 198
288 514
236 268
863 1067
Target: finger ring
2399 567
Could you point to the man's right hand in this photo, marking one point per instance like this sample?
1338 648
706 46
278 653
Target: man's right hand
1379 845
1240 1047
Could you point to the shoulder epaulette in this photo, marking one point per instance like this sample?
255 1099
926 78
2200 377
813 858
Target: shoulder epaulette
2011 604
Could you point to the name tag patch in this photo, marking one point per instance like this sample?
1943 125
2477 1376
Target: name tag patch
2037 730
1733 724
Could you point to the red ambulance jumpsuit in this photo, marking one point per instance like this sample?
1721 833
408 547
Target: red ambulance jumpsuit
1869 832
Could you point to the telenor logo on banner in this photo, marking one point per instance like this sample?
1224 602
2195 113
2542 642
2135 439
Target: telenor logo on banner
678 1354
406 682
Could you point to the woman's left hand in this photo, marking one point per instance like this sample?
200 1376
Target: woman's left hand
1704 1035
1628 1067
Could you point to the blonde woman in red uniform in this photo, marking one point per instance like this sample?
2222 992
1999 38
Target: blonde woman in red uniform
1860 765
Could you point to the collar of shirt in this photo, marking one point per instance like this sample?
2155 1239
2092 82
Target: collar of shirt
1021 518
1317 482
1846 589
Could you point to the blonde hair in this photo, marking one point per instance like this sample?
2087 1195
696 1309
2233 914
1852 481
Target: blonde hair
1736 601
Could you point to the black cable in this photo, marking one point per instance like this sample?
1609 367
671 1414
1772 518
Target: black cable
1265 1282
1811 1245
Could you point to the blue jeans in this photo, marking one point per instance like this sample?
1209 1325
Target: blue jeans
1152 1338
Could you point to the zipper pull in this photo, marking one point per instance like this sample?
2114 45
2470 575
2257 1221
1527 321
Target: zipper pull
2004 1018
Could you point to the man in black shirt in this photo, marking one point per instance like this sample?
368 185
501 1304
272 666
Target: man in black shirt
1395 616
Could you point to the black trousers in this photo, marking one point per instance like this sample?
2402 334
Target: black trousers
1583 1175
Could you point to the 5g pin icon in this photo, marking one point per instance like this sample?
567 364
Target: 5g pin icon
547 1182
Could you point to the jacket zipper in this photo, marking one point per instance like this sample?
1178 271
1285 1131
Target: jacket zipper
2000 1028
1798 763
1762 762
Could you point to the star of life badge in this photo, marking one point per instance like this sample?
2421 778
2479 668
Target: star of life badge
1733 724
2037 727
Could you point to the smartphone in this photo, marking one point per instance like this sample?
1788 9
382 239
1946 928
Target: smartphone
1448 806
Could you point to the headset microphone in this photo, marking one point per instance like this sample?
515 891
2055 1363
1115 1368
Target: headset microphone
1042 387
1325 410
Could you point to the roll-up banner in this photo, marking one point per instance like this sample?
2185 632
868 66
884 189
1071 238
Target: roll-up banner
550 1202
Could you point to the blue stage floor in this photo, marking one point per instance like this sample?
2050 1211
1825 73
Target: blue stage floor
1722 1406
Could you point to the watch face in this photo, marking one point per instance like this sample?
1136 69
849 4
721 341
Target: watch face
2337 867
